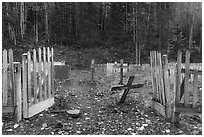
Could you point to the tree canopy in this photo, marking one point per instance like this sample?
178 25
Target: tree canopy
121 27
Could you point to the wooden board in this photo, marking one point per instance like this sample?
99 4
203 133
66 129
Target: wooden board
159 108
39 107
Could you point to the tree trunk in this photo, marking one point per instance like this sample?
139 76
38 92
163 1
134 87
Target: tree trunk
136 39
46 23
191 35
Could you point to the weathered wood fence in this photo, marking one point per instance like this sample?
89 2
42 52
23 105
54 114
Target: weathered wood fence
35 92
175 89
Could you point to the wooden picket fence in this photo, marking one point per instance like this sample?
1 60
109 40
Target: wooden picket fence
175 89
35 92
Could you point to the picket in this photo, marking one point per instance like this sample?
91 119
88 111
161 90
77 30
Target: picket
186 85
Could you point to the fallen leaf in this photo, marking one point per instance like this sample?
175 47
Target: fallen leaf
9 130
15 126
78 132
129 129
167 131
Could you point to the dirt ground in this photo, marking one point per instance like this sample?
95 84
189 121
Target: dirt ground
100 112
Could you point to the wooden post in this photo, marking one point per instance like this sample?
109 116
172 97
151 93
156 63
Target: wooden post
49 73
161 76
167 87
25 79
178 78
5 77
18 111
92 70
29 77
121 72
195 88
53 71
44 73
11 69
35 75
186 87
40 74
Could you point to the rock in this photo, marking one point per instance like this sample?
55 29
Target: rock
75 113
167 131
78 132
15 126
9 130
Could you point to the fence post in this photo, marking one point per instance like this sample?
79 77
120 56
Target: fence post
40 73
48 72
35 75
18 110
178 78
25 87
92 70
11 69
44 73
52 73
186 87
167 87
29 76
5 77
121 72
195 88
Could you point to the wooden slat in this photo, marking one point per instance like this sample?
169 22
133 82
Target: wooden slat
39 107
159 108
35 76
161 80
167 88
157 76
186 87
195 88
40 73
25 78
125 87
5 77
53 71
178 77
44 73
49 72
153 74
29 77
188 111
121 72
175 115
191 71
18 111
11 69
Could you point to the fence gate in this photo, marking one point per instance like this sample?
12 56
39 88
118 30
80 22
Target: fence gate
38 77
175 86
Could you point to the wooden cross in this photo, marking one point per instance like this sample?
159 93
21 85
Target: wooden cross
126 88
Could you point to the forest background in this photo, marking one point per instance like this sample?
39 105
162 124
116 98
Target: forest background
106 31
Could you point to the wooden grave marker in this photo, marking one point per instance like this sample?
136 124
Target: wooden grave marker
126 88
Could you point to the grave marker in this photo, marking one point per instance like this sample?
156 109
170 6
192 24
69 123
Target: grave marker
126 88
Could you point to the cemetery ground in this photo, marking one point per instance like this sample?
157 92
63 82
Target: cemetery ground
100 112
